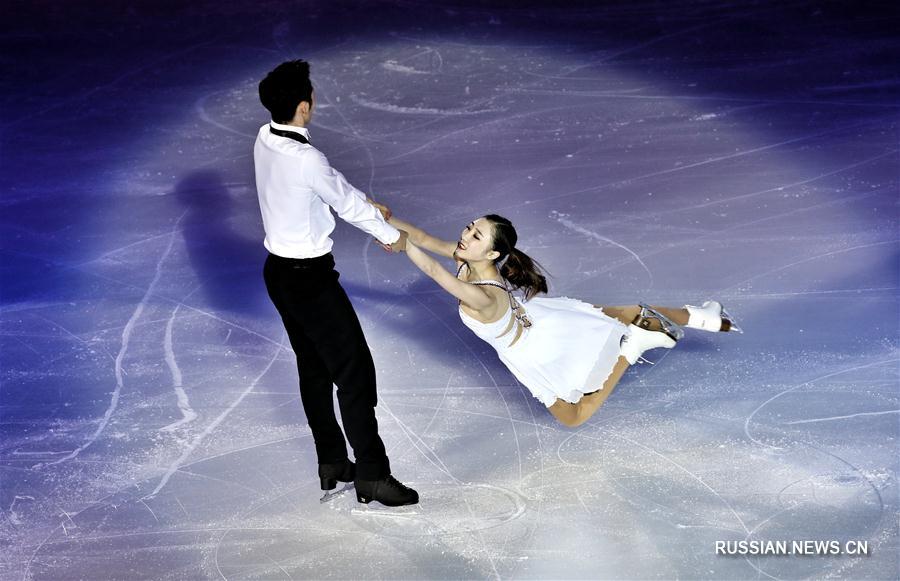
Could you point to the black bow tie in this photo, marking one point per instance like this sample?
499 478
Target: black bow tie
289 134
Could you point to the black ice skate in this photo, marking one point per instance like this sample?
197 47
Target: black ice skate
388 491
330 474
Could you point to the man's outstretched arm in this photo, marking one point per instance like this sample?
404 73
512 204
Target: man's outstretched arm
350 203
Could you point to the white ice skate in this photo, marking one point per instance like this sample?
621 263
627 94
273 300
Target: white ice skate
711 317
640 338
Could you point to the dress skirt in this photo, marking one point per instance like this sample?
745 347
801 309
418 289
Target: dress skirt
569 350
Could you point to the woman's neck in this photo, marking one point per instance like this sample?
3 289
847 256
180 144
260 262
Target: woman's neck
484 270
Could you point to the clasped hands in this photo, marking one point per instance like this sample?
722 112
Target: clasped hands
400 244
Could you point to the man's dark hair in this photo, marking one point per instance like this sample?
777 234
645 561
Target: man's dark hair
284 88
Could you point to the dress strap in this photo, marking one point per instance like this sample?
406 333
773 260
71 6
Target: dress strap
479 282
489 283
517 309
459 270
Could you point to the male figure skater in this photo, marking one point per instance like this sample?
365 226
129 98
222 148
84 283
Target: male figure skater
296 185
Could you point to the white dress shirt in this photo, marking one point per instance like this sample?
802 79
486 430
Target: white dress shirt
296 185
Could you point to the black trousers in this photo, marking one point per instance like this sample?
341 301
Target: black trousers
331 350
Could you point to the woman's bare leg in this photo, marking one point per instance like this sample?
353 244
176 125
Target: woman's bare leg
575 414
678 316
627 313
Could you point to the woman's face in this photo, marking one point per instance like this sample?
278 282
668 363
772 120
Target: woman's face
476 240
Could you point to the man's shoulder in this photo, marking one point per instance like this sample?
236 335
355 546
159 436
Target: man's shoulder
289 147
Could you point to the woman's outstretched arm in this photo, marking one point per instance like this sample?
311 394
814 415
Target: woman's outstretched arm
472 296
421 238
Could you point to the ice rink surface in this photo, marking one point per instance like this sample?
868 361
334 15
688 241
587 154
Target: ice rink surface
662 152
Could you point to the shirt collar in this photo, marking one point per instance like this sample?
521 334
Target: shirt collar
301 130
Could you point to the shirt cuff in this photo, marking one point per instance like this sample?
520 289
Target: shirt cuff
392 235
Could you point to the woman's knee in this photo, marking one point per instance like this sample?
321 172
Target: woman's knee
570 422
564 412
568 414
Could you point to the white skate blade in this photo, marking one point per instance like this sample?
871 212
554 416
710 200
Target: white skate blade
657 358
734 326
667 325
386 512
332 494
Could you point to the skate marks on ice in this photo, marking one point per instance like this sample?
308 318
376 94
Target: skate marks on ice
563 219
450 509
833 418
126 336
417 110
804 490
749 418
450 519
429 60
184 404
198 439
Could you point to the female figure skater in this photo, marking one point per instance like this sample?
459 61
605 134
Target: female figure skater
568 353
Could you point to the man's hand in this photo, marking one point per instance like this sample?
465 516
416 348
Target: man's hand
385 211
398 246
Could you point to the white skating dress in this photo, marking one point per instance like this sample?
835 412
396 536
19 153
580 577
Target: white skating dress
568 350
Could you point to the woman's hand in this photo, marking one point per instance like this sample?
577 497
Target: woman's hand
424 240
474 297
398 246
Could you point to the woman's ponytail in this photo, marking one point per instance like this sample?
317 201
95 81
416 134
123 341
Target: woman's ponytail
522 272
515 266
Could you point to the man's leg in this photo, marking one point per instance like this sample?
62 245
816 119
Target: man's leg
313 298
342 345
316 393
316 385
339 340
